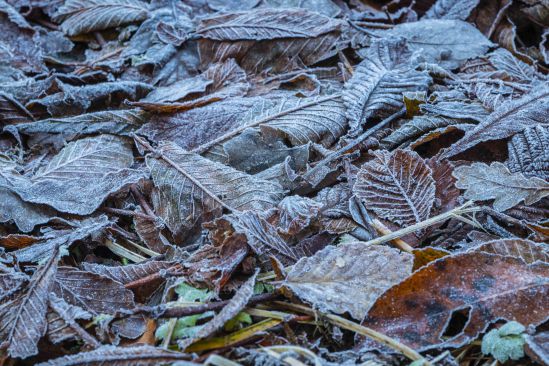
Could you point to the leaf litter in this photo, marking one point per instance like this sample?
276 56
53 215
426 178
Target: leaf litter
274 182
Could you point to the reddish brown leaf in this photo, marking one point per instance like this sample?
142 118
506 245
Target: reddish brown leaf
485 287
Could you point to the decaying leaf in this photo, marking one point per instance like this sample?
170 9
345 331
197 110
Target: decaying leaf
53 239
376 88
82 16
507 120
128 273
483 287
92 292
23 317
81 176
397 186
191 186
451 9
529 152
348 278
446 42
121 356
485 182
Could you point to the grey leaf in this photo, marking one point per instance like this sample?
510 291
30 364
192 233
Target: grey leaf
451 9
190 186
485 182
509 119
459 110
188 130
504 60
23 318
348 278
121 356
128 273
92 292
446 42
529 152
81 176
397 186
83 16
376 88
53 239
262 24
416 128
116 122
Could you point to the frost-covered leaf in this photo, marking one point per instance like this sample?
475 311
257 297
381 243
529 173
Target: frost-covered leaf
23 317
128 273
397 186
529 152
188 129
458 110
481 286
62 325
83 16
280 39
53 239
417 127
92 292
81 176
116 122
526 250
507 120
446 42
13 112
378 82
348 278
451 9
121 356
263 24
485 182
190 186
72 100
299 120
505 343
504 60
229 311
261 236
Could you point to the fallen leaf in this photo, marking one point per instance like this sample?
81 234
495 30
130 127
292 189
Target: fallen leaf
348 278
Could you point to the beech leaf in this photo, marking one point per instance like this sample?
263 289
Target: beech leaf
348 278
397 186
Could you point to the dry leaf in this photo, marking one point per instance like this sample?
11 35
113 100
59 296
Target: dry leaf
397 186
485 182
348 278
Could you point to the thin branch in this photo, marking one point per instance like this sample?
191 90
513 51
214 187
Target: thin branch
360 329
338 153
455 213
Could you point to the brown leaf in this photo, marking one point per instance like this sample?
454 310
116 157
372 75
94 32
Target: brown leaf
92 292
23 317
397 186
485 287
